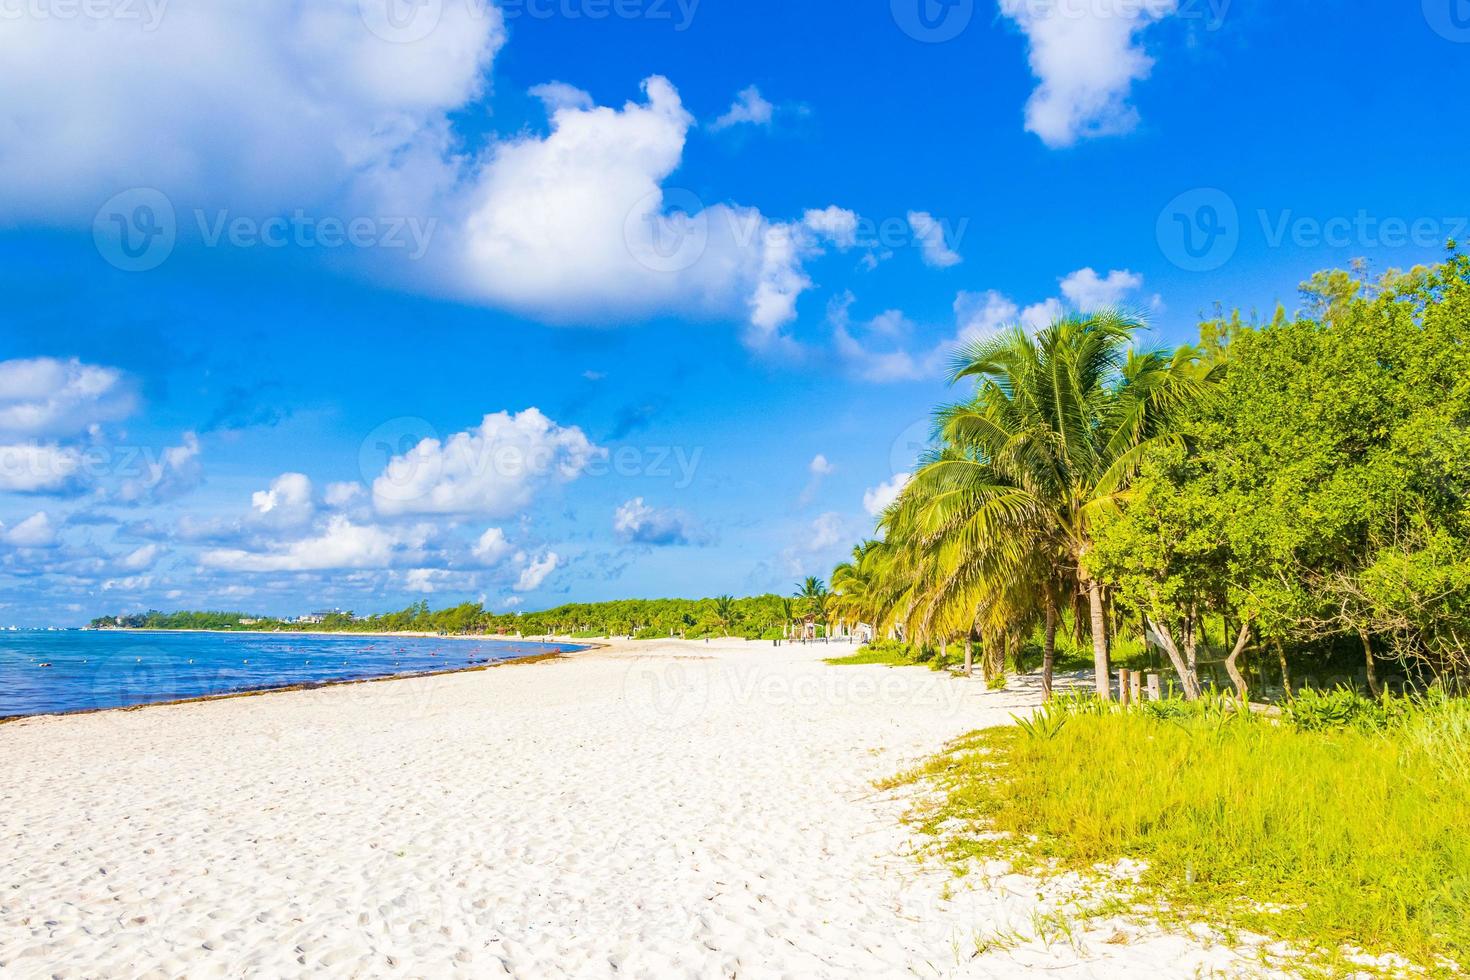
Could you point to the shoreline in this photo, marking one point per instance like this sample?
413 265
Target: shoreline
256 692
399 634
555 654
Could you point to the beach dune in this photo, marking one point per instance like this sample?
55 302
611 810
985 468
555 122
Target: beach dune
662 809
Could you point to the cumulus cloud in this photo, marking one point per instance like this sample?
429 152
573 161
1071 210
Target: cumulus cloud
880 350
880 498
35 468
929 234
749 107
46 397
1085 56
536 572
174 472
493 470
36 531
1085 290
140 559
287 503
330 101
560 95
639 523
578 224
339 495
492 547
875 350
836 225
813 544
581 222
340 545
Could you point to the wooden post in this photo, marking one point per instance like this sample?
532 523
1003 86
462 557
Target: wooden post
1123 687
1135 693
1155 693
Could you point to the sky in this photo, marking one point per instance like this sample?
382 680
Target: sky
351 304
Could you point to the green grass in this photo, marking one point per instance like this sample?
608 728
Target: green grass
1328 839
892 655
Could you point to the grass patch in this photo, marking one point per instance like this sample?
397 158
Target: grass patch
893 656
1347 838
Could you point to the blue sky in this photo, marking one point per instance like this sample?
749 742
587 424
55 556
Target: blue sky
344 304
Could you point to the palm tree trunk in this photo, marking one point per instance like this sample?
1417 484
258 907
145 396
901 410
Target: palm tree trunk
1049 648
969 658
1100 669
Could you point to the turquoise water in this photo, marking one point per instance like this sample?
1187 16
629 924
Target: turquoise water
44 672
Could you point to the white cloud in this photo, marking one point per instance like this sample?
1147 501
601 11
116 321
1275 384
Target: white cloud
879 498
748 107
492 547
270 105
579 224
569 224
48 397
140 559
175 472
493 470
1086 56
1086 291
820 466
33 468
341 495
425 580
35 531
879 349
980 316
536 572
560 95
874 351
813 544
639 523
341 545
929 233
288 503
836 225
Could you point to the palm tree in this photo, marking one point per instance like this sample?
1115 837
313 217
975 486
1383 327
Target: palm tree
813 592
1056 431
725 615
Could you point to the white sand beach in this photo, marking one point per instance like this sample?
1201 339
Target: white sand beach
660 809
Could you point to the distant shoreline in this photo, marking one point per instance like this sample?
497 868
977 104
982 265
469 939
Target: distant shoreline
402 634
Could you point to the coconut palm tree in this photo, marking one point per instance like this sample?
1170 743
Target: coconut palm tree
1057 428
725 614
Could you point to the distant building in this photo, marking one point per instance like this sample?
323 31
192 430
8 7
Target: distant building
321 616
249 622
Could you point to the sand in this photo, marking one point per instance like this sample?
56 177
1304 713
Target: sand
659 809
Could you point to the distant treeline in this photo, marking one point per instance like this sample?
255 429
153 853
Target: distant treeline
758 617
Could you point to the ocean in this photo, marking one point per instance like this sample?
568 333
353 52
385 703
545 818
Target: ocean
43 672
